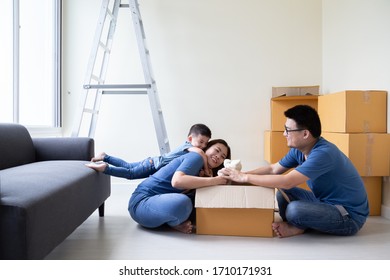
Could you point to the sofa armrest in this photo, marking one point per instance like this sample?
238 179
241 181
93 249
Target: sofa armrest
64 148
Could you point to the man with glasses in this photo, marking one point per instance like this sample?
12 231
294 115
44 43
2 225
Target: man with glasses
337 203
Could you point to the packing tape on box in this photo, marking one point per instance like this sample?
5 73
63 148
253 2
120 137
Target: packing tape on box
369 154
366 96
366 99
366 126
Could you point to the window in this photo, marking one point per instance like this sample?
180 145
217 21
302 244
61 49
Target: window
30 62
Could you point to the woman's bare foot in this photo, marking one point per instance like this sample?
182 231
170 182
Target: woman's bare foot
185 227
284 229
98 166
99 157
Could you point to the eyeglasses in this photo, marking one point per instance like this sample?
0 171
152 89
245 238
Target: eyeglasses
292 130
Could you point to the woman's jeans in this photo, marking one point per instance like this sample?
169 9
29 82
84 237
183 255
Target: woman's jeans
305 211
129 170
153 211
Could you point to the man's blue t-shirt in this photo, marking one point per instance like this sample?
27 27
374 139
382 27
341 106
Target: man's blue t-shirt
160 182
333 177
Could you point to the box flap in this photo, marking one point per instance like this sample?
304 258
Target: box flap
295 91
235 196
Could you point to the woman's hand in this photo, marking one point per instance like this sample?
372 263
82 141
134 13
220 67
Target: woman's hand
233 175
220 180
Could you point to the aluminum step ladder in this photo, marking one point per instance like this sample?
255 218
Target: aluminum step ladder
94 84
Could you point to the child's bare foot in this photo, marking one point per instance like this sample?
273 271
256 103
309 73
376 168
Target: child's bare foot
99 157
98 166
284 229
185 227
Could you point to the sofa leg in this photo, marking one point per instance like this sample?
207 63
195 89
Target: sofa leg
101 210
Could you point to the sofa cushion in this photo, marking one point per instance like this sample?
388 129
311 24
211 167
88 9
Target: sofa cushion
64 148
16 146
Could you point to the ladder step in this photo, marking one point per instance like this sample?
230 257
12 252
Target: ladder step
117 86
91 111
124 92
96 78
105 47
109 13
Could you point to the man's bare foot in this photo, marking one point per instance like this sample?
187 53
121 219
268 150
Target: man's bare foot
185 227
284 229
99 157
98 166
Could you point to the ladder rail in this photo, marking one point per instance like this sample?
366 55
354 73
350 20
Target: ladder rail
107 46
149 77
106 56
97 43
90 74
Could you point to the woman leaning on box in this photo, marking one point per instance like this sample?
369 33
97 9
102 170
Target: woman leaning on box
163 197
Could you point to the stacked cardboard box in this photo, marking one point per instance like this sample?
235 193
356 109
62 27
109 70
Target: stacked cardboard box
282 103
275 144
356 121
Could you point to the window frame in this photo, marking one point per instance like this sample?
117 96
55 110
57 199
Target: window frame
56 120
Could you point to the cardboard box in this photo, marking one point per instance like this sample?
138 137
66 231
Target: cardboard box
354 111
295 91
369 152
374 192
275 146
280 104
235 210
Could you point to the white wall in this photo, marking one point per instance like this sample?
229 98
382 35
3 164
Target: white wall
215 62
356 44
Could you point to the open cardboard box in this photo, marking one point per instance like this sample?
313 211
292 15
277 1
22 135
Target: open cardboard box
280 104
295 91
239 210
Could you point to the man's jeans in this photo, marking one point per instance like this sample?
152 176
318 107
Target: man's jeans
305 211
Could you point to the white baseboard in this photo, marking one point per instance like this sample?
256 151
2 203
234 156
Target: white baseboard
385 212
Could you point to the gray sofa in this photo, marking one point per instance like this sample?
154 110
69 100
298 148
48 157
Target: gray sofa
46 191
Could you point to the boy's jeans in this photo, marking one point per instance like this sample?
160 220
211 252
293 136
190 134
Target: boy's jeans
129 170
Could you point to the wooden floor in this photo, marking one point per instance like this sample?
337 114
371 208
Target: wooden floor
117 237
